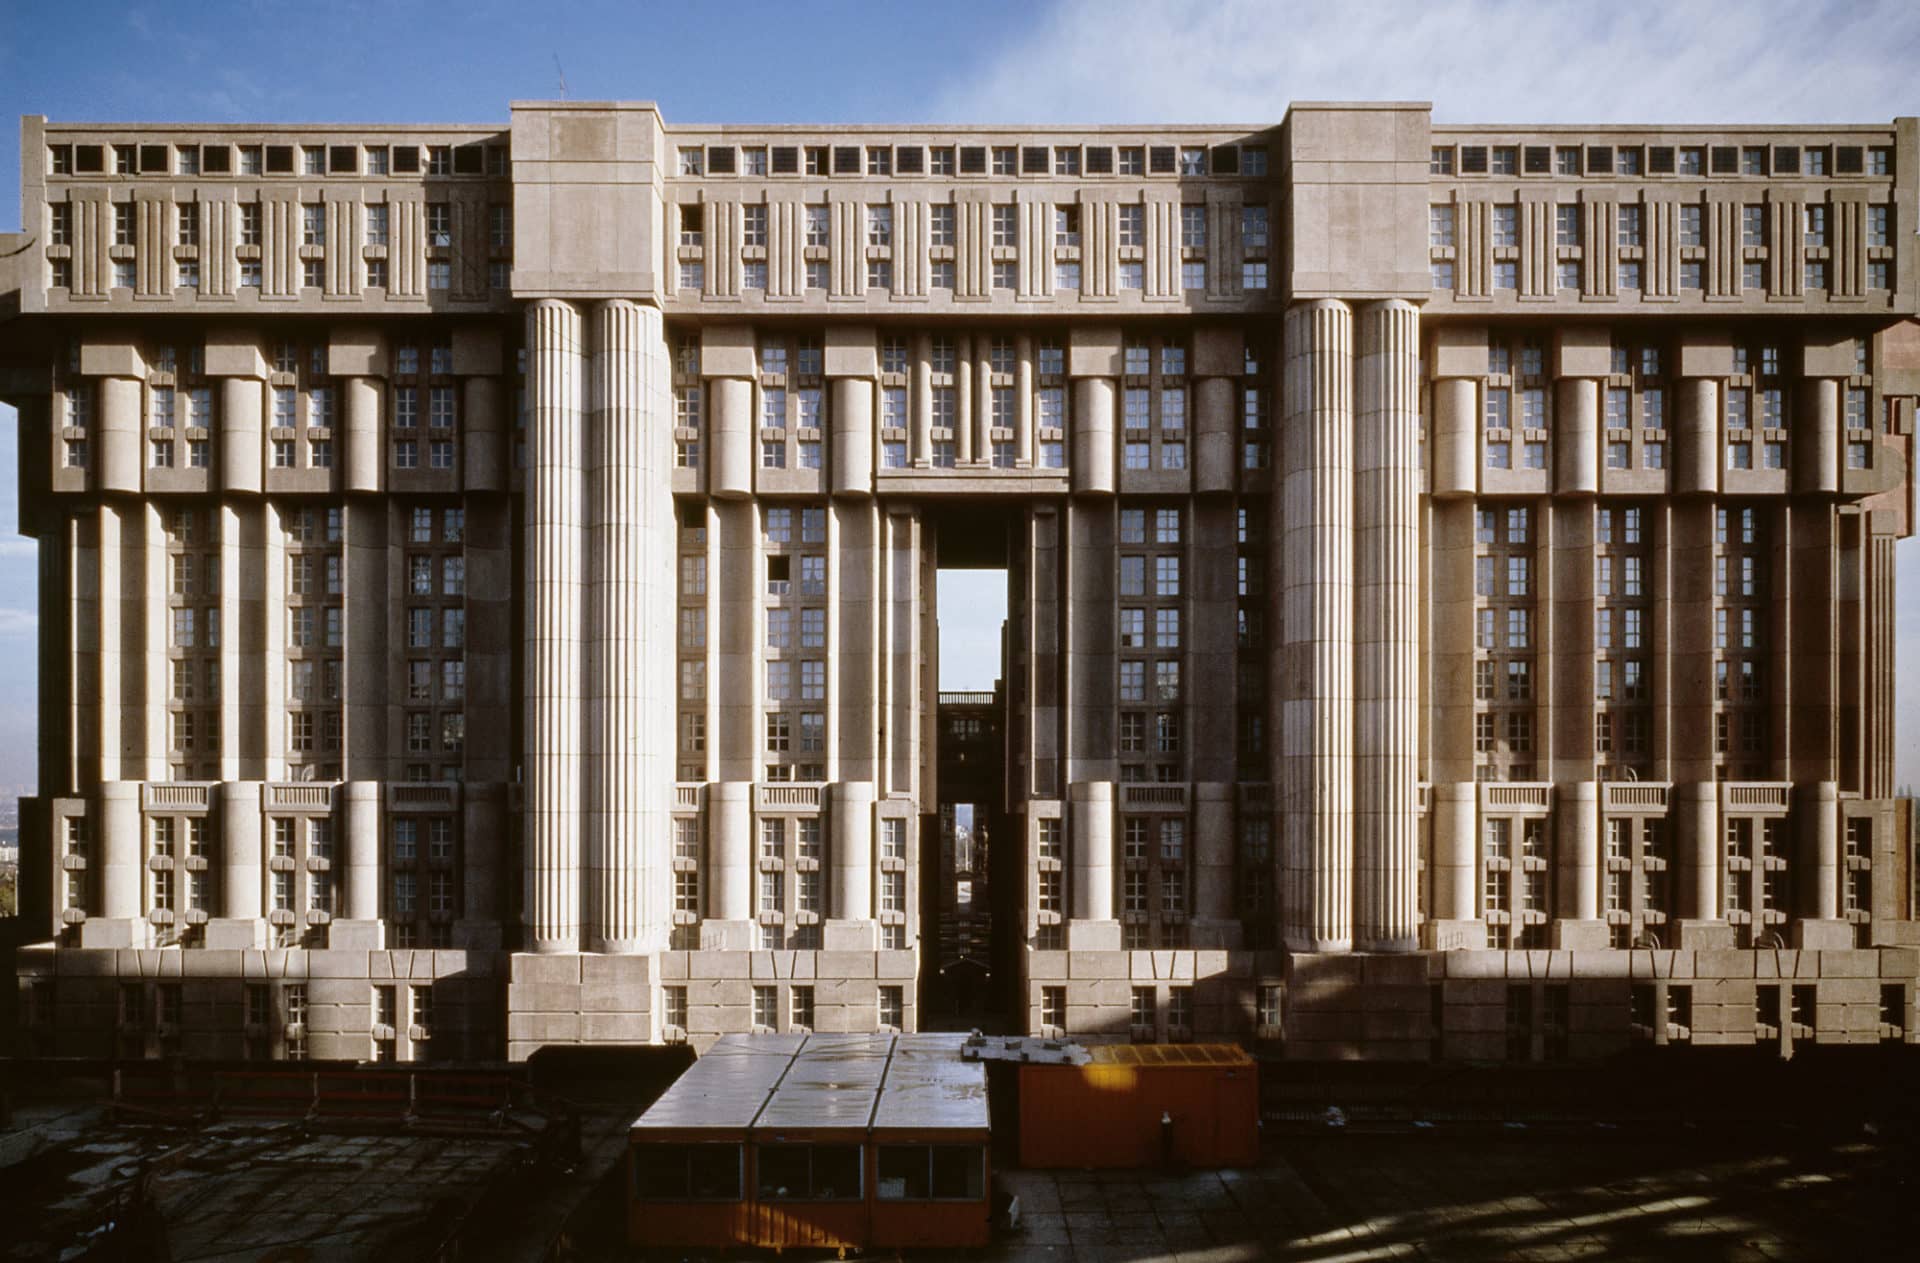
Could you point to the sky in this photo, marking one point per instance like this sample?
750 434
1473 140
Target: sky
1071 61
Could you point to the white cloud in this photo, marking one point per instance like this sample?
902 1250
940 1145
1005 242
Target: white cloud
1242 61
1495 61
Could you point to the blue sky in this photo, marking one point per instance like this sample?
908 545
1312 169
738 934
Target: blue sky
1105 61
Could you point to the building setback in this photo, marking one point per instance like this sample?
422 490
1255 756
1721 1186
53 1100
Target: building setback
487 579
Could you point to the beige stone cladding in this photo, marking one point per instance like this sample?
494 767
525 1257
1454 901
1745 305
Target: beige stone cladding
489 579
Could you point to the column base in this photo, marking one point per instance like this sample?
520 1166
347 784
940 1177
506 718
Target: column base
236 934
1093 936
101 932
850 936
357 936
726 936
1388 946
1454 936
1821 935
1319 946
624 947
1216 935
1581 936
1702 936
477 936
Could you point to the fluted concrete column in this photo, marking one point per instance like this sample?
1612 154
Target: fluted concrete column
242 456
851 817
1215 922
1386 554
1091 431
1215 430
1455 442
730 851
630 563
242 900
1697 812
731 433
120 438
555 617
1315 669
364 456
1816 436
1576 434
1696 448
1091 805
1456 921
852 422
483 434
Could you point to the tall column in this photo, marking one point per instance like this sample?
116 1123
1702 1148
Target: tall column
922 434
852 422
1697 436
729 922
853 642
1092 825
1576 439
851 819
1386 545
730 423
554 624
241 923
734 732
983 400
147 702
365 445
1214 430
1214 922
630 563
1816 436
478 928
269 714
122 449
358 925
107 609
1816 820
369 688
1091 432
1456 922
1577 847
484 446
121 861
1456 448
242 456
1023 401
964 402
1315 670
1697 808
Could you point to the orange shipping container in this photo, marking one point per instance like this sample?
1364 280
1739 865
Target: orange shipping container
1108 1112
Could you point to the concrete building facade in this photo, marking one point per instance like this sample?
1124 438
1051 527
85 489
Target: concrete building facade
487 578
